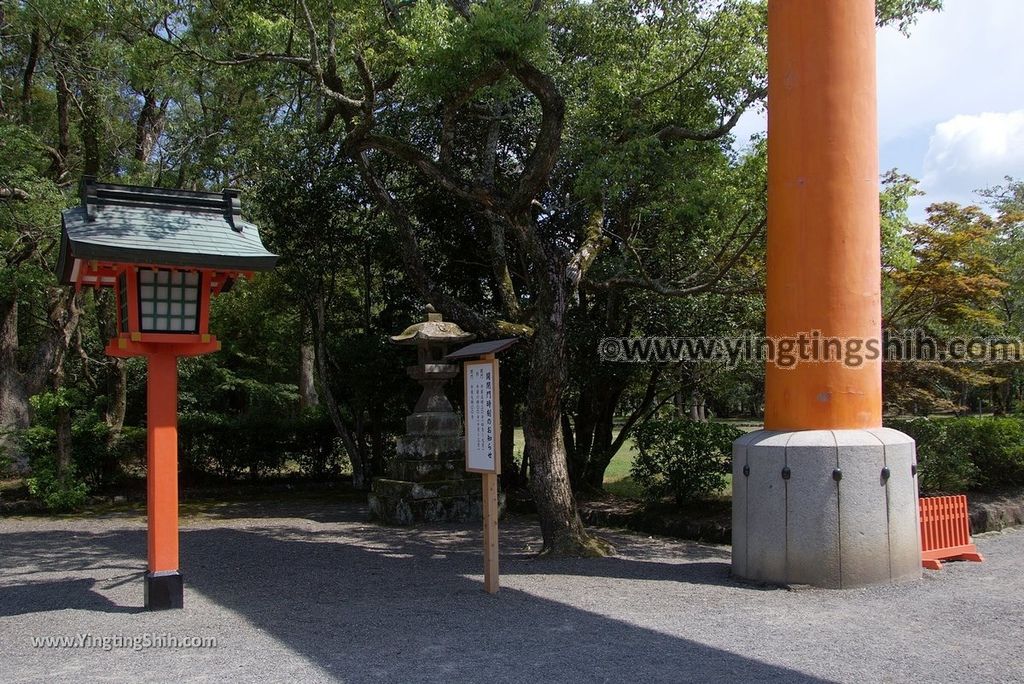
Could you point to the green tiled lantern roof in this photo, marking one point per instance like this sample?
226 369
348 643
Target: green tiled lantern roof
162 227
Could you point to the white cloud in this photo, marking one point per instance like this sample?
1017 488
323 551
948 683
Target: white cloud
966 58
968 152
963 60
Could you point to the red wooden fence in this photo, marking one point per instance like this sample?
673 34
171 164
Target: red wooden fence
945 531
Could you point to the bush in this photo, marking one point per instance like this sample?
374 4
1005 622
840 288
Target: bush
958 454
682 458
257 445
56 492
6 461
99 457
229 447
314 445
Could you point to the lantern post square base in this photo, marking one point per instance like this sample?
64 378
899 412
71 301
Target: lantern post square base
164 590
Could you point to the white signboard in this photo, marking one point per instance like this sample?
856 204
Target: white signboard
483 430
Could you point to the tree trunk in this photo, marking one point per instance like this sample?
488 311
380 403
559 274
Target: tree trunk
90 124
511 476
16 386
695 407
148 126
560 522
14 407
117 370
360 479
63 429
35 45
59 163
603 451
308 396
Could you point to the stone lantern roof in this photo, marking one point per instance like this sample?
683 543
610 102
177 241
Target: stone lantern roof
433 329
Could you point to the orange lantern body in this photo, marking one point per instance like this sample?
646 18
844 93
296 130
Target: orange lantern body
166 254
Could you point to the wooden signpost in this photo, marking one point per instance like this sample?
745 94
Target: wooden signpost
482 408
483 430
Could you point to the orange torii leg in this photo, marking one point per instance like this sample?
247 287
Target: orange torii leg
164 587
824 495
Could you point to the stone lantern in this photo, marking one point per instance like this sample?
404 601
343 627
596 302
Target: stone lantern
428 481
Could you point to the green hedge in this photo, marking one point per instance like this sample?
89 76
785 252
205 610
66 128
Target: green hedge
256 446
683 459
959 454
209 444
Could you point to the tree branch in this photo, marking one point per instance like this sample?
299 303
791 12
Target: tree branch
645 282
675 133
9 194
549 136
472 192
490 75
412 257
593 242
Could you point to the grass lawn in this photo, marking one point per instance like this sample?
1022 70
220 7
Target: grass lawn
616 478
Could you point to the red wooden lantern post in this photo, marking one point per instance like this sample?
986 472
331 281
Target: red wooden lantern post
166 253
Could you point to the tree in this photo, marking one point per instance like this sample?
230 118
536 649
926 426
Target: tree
941 278
319 221
504 109
37 319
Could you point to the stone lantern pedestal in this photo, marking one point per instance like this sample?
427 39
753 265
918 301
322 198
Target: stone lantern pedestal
428 481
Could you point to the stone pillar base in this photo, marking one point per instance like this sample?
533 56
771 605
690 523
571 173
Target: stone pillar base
164 590
398 502
829 508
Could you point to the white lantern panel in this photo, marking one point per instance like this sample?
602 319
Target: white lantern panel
170 300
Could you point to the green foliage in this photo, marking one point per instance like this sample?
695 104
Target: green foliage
24 225
951 275
442 52
258 445
58 491
98 457
958 454
897 248
101 457
684 459
5 458
903 13
940 468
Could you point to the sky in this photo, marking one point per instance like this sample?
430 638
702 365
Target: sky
950 100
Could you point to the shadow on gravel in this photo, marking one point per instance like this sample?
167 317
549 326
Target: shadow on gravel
41 597
371 603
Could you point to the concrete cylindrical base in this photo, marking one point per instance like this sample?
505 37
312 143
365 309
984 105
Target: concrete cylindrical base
829 508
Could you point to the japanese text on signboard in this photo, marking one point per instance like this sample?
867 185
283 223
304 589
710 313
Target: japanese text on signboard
481 437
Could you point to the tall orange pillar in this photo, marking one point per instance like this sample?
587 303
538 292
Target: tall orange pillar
823 219
164 588
824 495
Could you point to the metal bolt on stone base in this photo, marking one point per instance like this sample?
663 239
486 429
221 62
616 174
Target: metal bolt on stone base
846 515
824 495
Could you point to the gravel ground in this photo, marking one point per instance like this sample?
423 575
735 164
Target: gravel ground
314 593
